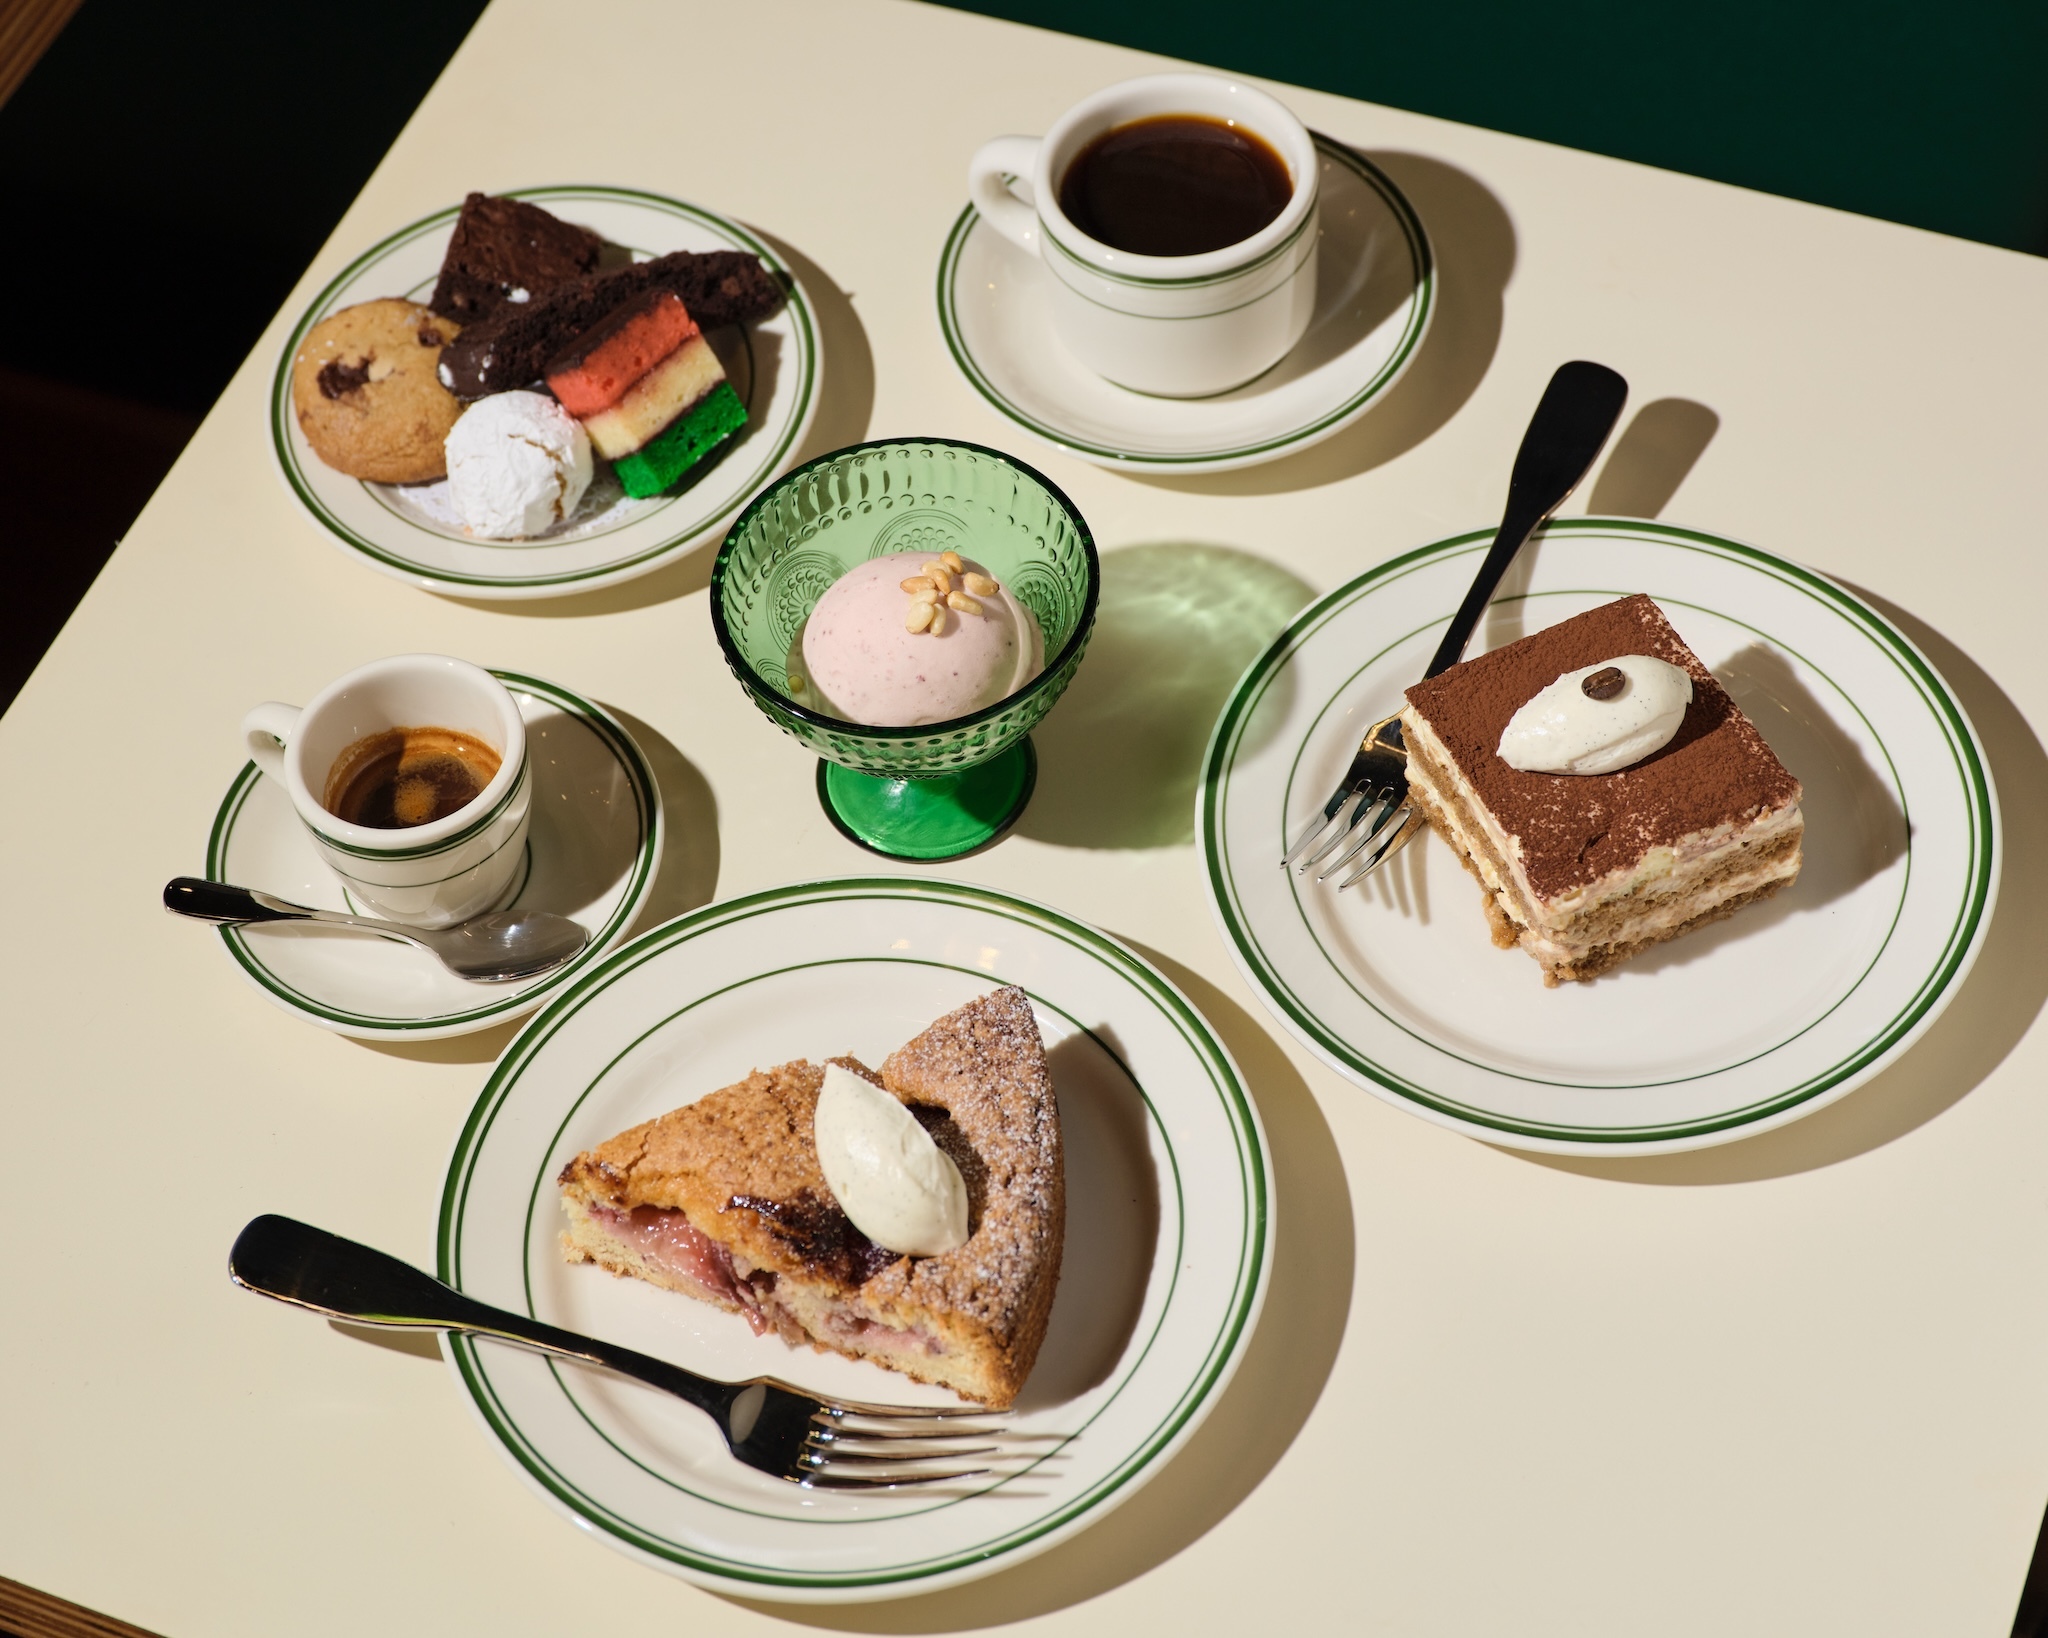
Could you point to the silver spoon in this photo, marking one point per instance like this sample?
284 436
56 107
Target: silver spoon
504 944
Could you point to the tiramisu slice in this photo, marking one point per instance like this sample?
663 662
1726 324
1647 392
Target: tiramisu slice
726 1200
1585 868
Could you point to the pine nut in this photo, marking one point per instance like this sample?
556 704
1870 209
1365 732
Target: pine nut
917 583
939 619
979 584
952 561
935 572
920 616
962 602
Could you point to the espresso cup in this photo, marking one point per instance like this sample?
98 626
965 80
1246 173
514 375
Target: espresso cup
1172 326
427 875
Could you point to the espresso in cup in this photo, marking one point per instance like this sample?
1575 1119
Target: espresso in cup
1175 185
1175 220
423 825
409 776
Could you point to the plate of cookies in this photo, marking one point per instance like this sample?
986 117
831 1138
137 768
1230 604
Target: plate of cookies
1069 1226
544 391
1703 841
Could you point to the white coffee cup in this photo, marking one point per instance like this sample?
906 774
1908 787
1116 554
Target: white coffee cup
1173 326
431 875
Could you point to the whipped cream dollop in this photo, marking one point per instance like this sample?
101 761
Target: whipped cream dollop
895 1184
1599 719
517 465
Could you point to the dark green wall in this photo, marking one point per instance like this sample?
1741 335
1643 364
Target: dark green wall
1933 115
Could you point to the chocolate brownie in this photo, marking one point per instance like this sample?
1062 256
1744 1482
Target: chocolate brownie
512 347
505 251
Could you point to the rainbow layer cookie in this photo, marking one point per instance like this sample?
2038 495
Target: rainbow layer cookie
649 391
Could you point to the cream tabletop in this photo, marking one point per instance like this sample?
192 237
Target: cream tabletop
1794 1384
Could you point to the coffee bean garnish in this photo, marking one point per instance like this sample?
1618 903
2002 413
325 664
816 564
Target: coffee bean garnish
1605 683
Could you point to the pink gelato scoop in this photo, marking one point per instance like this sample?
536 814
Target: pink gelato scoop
865 665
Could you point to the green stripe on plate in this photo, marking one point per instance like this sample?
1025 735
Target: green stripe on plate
1420 309
1961 743
1173 1007
736 236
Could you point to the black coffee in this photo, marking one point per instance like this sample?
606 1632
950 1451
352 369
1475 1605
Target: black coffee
409 776
1175 185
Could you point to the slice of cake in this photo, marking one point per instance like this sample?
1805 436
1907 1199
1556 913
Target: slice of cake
1584 870
649 390
507 251
512 347
725 1200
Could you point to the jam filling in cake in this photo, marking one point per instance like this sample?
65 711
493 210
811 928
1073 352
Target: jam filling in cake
1585 870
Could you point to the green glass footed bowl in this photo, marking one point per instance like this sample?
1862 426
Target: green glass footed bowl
936 790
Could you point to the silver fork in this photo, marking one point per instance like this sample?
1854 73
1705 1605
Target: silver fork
822 1444
1369 816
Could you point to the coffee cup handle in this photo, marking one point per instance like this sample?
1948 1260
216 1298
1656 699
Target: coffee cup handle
999 172
267 731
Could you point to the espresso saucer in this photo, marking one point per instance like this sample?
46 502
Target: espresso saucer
591 855
1376 293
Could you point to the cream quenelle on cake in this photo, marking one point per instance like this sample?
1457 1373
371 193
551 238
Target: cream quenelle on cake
909 638
1603 787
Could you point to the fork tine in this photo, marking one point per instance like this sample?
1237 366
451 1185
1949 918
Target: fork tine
834 1456
897 1413
1384 804
1340 827
836 1434
1332 813
855 1481
1396 839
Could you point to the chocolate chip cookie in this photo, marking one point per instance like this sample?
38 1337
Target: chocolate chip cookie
367 395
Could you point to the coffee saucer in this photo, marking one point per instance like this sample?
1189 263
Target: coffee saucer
1376 294
591 855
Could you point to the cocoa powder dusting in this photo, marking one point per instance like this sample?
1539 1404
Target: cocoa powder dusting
1576 828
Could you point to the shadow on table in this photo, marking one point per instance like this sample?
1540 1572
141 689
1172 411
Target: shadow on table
1119 756
1846 801
1660 445
687 874
418 1344
1993 1010
1259 1415
685 877
1474 245
846 372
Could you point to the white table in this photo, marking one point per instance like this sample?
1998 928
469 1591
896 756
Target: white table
1797 1384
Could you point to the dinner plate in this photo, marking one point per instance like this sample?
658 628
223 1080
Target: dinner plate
1734 1029
1156 1301
1375 295
411 530
591 854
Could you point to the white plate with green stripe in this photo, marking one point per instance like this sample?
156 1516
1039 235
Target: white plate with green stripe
410 530
1156 1302
591 854
1375 296
1743 1026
